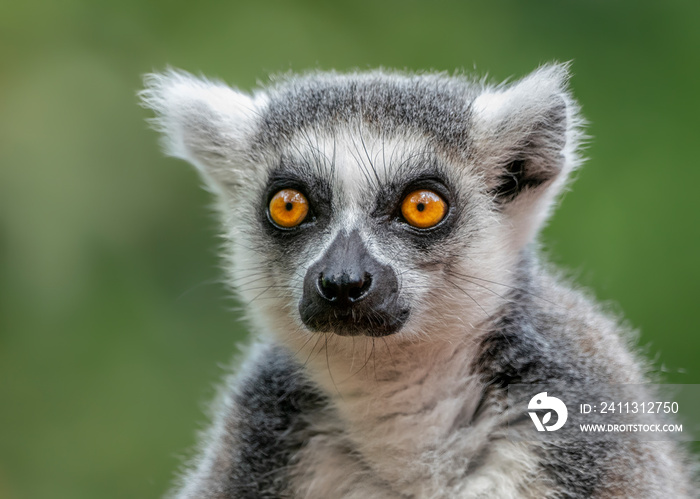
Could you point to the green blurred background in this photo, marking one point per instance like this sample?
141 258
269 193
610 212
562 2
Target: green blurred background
113 324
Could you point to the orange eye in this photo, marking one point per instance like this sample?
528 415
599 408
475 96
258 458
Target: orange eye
423 208
288 208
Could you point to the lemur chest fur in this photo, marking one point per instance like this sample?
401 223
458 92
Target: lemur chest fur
410 429
414 421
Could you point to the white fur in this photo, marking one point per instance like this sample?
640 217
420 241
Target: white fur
204 122
504 111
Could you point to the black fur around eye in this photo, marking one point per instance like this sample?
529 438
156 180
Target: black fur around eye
431 223
309 197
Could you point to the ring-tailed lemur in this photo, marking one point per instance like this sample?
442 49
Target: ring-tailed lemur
382 229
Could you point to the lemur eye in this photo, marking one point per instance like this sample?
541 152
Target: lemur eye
288 208
423 208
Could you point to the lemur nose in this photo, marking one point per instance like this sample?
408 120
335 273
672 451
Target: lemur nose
343 289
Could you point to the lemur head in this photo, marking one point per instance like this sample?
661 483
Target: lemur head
373 203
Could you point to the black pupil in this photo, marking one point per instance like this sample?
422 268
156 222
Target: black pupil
420 207
289 206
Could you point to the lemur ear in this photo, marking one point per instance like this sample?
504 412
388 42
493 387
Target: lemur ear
206 123
525 138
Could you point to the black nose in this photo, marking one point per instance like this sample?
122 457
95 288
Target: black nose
347 291
344 289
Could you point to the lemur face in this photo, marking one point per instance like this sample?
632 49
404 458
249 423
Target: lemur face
361 227
373 204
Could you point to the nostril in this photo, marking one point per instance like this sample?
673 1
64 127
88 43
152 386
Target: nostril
343 290
327 288
359 288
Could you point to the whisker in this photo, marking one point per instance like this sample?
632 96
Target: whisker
471 297
516 288
207 282
302 346
328 364
308 358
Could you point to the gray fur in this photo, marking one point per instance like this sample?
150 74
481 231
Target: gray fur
407 408
266 425
536 340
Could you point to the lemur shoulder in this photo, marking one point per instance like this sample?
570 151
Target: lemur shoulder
382 229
